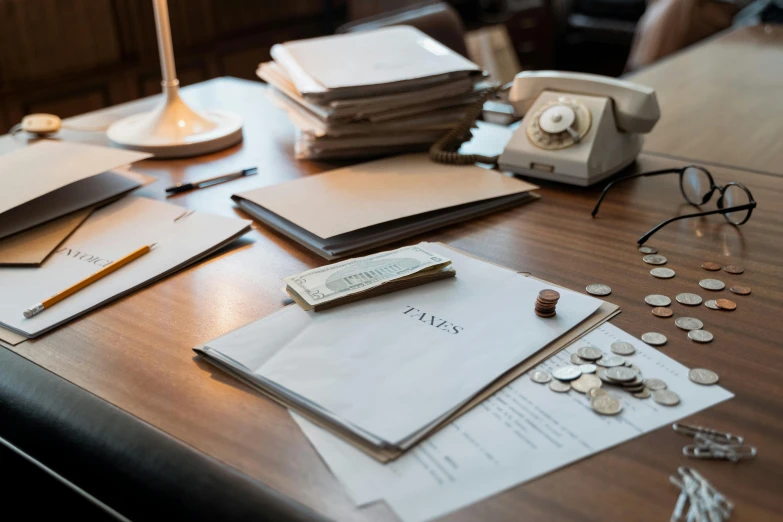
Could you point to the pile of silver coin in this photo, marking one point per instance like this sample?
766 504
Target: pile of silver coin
591 369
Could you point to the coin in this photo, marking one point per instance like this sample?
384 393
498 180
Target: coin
660 311
621 374
666 397
733 269
633 383
711 304
575 359
598 289
648 250
567 373
588 368
711 266
595 392
688 299
559 386
712 284
702 376
605 405
655 384
540 377
657 300
622 348
654 339
585 382
726 304
688 323
740 290
654 259
589 353
610 361
601 373
644 394
635 389
662 273
700 336
549 295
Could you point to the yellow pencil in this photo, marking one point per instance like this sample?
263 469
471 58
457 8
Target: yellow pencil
103 272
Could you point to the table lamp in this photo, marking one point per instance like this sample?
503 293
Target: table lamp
173 129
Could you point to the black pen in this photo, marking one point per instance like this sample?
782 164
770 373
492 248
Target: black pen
184 187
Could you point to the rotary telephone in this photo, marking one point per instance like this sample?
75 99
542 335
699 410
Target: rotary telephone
577 128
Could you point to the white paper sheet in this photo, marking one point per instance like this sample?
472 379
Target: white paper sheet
522 432
110 233
393 364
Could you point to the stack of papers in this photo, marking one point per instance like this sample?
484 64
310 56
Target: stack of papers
386 372
389 90
48 189
181 237
349 210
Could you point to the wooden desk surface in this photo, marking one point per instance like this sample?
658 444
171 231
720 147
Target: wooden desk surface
720 100
136 352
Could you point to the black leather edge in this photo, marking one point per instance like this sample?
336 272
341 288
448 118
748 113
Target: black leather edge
130 466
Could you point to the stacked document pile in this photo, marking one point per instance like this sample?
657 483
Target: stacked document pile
65 216
386 372
377 92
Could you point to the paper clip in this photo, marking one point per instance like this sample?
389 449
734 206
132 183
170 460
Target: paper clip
705 503
719 436
706 448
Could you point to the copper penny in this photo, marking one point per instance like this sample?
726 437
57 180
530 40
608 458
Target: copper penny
549 295
740 290
733 269
711 266
726 304
661 311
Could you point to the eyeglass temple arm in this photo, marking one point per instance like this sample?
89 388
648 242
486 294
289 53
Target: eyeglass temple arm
662 224
626 178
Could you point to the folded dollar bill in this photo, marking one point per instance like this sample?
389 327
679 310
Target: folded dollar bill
360 278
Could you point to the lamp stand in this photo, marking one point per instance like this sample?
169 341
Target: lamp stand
173 129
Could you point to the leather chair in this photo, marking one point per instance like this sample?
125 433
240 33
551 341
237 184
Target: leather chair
439 20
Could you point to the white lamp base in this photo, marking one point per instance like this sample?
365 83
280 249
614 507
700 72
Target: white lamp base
174 130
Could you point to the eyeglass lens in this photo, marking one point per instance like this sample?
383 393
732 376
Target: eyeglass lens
695 185
734 196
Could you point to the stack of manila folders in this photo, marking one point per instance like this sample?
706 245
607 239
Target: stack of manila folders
66 214
371 93
384 373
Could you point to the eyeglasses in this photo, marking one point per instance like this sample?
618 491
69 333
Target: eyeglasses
736 203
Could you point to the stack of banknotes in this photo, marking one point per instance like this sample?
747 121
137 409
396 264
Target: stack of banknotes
364 277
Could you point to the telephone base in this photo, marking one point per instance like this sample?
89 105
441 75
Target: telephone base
563 178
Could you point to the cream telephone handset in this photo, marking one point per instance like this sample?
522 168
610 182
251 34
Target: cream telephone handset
577 128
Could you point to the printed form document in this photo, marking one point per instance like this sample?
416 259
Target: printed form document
393 366
522 432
